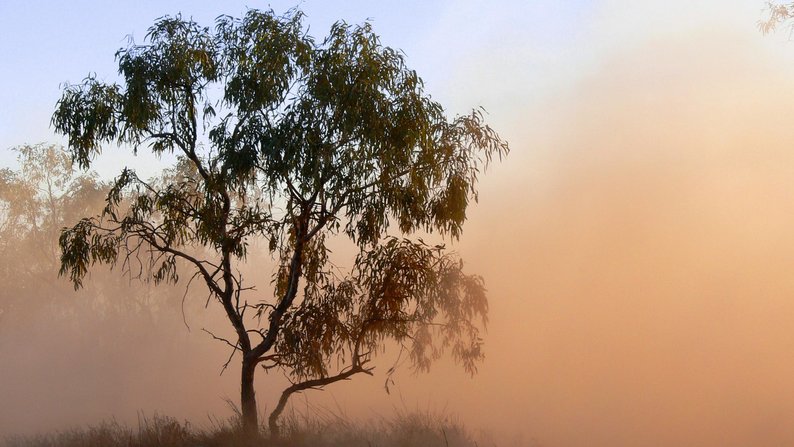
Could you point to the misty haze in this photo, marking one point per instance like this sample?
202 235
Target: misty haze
631 228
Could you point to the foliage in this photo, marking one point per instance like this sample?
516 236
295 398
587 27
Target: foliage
400 289
35 202
777 13
290 141
38 198
43 193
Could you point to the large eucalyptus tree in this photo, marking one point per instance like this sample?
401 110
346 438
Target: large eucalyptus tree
291 141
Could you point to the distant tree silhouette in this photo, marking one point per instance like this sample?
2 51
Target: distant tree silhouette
35 202
777 13
37 199
290 141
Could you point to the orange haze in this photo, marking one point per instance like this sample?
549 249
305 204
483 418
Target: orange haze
638 246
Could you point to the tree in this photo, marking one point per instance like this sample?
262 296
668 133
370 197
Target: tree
35 202
777 13
40 196
293 142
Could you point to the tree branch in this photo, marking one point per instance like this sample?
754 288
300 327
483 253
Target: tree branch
311 384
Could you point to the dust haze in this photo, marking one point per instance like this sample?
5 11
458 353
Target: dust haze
637 245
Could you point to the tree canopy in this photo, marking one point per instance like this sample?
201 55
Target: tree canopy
291 141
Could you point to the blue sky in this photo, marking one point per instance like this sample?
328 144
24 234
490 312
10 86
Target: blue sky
44 44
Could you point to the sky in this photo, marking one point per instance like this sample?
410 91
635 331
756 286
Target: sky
636 243
47 44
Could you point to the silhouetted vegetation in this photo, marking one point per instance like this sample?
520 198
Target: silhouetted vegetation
37 201
290 142
404 430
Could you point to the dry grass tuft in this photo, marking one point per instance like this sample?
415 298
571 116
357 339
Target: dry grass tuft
406 429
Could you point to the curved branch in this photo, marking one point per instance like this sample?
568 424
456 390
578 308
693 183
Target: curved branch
307 385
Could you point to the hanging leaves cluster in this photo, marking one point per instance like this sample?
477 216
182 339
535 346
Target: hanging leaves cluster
408 292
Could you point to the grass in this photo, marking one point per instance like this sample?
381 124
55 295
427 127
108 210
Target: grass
405 429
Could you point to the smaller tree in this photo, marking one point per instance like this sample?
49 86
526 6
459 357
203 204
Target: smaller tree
45 193
777 13
36 201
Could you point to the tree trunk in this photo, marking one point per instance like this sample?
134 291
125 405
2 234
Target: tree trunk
272 421
250 420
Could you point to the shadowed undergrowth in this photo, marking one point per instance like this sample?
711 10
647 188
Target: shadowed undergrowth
416 429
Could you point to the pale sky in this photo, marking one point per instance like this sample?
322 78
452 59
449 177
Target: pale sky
44 44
